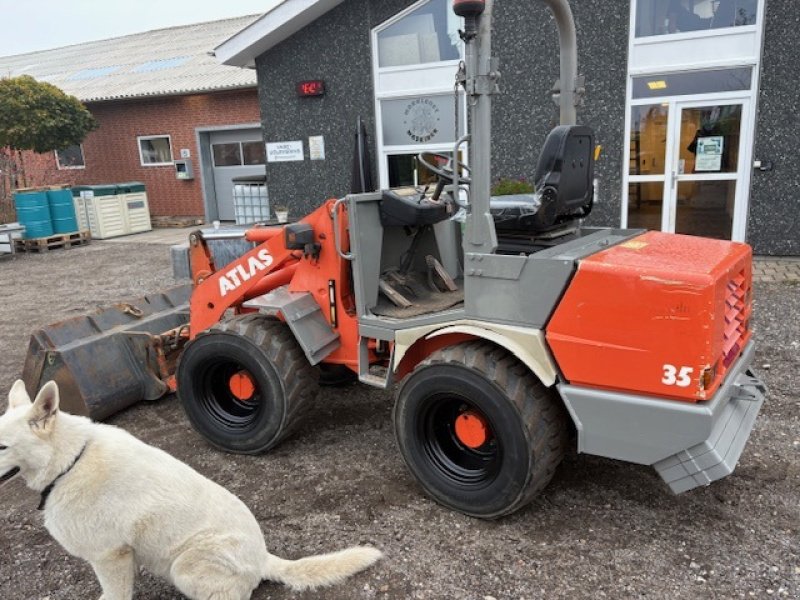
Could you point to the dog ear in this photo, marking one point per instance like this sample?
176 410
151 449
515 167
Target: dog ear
45 408
18 396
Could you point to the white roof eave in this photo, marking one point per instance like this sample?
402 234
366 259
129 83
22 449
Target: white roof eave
279 24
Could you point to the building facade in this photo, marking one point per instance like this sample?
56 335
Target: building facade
140 140
691 101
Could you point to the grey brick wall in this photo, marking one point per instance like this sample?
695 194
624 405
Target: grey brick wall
774 222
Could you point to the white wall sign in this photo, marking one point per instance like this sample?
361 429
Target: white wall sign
285 151
316 147
186 153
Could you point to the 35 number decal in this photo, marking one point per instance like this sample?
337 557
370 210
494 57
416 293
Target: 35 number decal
679 376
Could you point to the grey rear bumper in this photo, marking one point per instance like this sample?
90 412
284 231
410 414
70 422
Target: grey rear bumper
717 456
689 444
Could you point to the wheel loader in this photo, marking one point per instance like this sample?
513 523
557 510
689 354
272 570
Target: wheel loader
507 328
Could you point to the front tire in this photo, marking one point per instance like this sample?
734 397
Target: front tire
478 430
246 384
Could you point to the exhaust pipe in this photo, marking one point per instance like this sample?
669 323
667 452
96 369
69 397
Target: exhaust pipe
567 39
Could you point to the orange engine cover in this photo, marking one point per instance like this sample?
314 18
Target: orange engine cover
660 314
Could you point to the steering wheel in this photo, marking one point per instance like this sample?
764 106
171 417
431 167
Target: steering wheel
444 171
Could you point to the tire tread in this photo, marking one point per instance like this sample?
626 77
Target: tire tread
298 378
542 415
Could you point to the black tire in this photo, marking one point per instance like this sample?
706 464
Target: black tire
283 384
526 429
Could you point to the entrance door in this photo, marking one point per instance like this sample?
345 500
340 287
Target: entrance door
707 169
688 171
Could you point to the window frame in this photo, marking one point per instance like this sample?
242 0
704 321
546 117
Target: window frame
61 167
214 156
695 33
241 144
263 147
139 139
405 83
673 50
389 23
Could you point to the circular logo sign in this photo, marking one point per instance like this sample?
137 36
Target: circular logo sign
422 120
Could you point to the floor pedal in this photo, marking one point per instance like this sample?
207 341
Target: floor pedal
438 277
392 294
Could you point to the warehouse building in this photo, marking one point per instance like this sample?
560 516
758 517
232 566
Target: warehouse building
169 116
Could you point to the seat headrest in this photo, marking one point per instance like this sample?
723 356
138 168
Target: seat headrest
565 173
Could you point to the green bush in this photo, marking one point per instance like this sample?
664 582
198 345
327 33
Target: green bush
38 116
507 187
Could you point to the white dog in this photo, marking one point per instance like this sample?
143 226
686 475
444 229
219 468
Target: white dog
116 502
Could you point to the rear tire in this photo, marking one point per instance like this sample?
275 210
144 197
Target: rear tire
280 384
493 468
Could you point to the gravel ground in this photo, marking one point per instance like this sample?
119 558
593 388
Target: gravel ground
601 529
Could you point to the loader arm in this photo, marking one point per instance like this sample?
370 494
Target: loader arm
266 267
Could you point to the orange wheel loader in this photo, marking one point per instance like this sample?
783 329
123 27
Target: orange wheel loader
503 324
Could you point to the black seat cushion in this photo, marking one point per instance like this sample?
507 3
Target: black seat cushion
515 211
563 180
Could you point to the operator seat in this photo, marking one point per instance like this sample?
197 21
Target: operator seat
563 182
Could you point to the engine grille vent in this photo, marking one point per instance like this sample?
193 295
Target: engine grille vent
737 318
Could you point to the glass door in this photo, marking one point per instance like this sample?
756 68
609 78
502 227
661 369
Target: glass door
706 182
687 169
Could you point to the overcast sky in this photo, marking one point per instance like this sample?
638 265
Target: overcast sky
30 25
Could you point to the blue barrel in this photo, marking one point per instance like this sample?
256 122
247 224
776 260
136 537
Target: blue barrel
62 211
33 211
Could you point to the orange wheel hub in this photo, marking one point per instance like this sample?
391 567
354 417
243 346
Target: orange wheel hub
472 429
241 385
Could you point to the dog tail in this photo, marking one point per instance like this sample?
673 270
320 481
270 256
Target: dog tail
323 569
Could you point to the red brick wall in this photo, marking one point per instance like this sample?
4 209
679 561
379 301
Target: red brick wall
111 152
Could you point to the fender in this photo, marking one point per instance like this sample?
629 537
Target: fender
528 345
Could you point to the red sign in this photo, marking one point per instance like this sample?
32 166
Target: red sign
315 87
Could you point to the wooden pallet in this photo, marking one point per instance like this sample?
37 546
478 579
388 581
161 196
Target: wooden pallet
174 222
62 240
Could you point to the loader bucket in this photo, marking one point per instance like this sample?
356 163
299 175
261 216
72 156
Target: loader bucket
109 360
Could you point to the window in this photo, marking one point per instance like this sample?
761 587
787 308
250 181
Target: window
405 170
254 153
648 139
236 154
426 35
660 17
419 121
227 155
70 158
416 56
155 150
692 83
